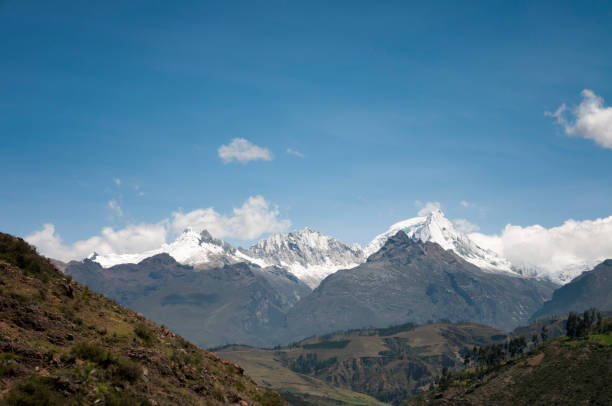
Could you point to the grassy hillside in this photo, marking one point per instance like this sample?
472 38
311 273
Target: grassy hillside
390 365
61 344
562 371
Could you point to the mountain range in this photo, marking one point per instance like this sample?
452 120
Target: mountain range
290 286
312 256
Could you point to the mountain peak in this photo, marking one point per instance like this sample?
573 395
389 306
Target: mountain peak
436 227
307 253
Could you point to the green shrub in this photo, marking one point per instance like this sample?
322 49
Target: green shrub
92 352
123 399
122 369
219 395
8 366
35 391
144 333
270 398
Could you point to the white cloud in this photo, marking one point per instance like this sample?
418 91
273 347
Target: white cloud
427 207
243 151
465 226
113 205
253 219
133 238
592 120
295 152
465 203
117 181
574 243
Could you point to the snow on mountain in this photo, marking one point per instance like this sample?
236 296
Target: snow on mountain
190 248
557 274
308 254
435 227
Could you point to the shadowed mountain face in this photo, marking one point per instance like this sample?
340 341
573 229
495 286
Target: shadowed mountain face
591 289
238 303
409 280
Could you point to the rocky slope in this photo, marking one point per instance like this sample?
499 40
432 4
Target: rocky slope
237 303
308 254
62 344
589 290
408 280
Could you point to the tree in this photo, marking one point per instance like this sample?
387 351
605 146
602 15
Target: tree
534 339
544 334
466 358
572 325
599 323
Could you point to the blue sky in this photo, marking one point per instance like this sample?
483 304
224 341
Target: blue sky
388 102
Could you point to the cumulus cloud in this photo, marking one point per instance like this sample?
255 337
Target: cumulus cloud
295 152
465 203
243 151
592 120
117 181
427 208
133 238
465 226
113 205
574 243
249 221
254 218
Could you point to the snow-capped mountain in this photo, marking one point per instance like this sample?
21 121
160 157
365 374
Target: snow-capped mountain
435 227
308 254
190 248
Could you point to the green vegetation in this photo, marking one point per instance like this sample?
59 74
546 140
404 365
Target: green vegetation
327 345
18 253
566 370
144 333
389 331
36 391
310 363
62 344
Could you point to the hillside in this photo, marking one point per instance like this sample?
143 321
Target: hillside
390 364
560 372
62 344
589 290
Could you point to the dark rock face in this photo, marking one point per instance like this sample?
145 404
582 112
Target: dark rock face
412 281
238 303
591 289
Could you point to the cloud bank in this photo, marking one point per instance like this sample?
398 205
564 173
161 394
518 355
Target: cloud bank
254 218
243 151
574 244
592 120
